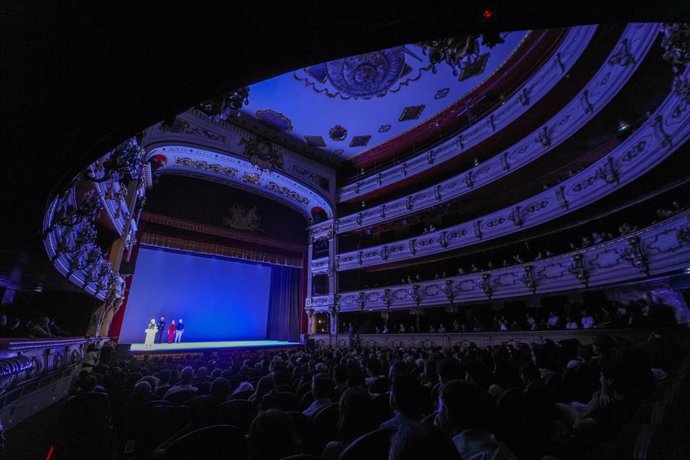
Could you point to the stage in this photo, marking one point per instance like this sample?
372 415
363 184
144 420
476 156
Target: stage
196 346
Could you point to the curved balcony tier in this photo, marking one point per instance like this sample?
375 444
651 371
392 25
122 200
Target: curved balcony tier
556 68
661 249
660 136
599 91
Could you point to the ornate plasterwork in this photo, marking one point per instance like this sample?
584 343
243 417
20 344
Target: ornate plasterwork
240 171
663 133
206 166
538 85
603 86
307 178
661 247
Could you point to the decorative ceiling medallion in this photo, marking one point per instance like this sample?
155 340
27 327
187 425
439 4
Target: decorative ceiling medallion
441 93
337 133
315 141
274 119
411 113
359 141
365 75
384 128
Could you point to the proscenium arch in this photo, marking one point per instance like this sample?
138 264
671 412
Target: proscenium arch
222 167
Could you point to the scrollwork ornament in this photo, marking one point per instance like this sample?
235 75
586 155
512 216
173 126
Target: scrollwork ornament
387 298
578 268
361 301
485 284
529 279
684 235
676 44
122 164
635 255
414 295
448 290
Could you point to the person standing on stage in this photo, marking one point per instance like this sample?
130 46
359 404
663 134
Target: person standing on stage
171 331
150 331
161 330
179 331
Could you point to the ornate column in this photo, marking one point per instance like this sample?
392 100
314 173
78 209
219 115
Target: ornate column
334 312
311 322
310 256
332 269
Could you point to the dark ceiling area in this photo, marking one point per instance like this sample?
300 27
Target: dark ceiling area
77 79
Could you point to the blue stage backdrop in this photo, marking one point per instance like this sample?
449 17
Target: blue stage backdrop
217 298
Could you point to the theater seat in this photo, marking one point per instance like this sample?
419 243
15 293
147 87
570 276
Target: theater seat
181 396
237 412
370 446
84 427
217 442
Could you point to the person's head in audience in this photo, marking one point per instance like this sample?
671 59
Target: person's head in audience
142 391
186 376
265 385
201 374
272 436
355 414
220 388
340 374
529 373
89 383
321 386
464 406
153 382
404 395
355 377
603 346
373 367
421 441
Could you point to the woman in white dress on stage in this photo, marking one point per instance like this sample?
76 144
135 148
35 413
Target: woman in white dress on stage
150 331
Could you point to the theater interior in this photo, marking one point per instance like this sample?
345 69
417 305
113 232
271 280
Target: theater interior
345 230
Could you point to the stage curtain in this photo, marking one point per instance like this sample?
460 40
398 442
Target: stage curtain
284 304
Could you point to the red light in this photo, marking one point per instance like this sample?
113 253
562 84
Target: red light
488 14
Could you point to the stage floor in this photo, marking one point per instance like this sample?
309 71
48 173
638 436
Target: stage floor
212 345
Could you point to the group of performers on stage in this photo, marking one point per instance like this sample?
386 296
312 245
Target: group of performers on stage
154 332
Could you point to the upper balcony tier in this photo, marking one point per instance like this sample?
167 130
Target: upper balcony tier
594 96
660 249
660 136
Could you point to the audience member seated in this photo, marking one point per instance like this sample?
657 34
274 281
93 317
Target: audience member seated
404 400
186 377
322 389
272 436
465 413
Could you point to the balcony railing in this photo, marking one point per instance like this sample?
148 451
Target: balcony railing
660 249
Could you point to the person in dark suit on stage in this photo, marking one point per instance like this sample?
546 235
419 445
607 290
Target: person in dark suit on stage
179 331
161 330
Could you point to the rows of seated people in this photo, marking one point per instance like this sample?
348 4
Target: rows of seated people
638 313
29 325
513 400
537 250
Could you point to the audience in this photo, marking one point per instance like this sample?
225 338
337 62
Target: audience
502 401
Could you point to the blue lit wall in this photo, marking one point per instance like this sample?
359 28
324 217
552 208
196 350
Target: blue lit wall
218 298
